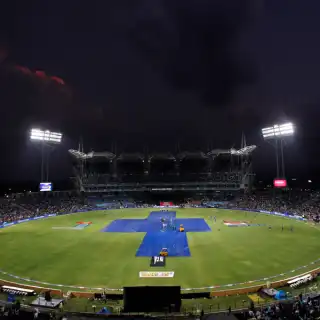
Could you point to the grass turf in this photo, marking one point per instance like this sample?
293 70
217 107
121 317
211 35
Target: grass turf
92 258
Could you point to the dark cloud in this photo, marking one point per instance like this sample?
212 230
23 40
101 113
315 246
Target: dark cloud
195 46
172 45
31 99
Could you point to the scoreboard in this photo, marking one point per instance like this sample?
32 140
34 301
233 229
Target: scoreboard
45 186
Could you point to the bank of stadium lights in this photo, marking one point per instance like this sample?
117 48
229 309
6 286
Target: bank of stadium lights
278 131
45 136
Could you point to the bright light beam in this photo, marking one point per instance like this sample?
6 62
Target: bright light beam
46 136
278 131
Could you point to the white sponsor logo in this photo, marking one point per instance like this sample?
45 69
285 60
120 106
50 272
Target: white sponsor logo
150 274
158 259
17 291
301 280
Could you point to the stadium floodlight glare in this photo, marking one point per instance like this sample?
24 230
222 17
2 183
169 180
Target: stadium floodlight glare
278 131
45 136
276 136
47 141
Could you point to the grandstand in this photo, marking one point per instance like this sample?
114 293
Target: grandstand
224 170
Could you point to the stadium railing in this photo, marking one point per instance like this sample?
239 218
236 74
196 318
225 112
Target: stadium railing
194 308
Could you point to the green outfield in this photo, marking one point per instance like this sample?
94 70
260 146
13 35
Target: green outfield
48 251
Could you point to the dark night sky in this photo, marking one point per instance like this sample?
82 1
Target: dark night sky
152 73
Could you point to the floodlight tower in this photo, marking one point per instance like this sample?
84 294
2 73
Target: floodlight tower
276 135
47 141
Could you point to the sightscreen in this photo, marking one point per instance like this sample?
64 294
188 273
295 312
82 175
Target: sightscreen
152 299
166 203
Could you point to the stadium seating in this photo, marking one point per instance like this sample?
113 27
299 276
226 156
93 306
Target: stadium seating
31 206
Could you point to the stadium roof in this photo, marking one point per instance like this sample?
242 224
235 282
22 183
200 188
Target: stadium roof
192 155
244 151
161 156
241 152
131 156
91 155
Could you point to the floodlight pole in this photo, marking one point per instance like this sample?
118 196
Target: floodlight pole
280 168
47 140
42 161
47 148
275 135
282 157
46 155
277 157
47 162
45 151
278 146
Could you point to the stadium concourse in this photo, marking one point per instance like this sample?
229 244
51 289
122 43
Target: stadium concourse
26 206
